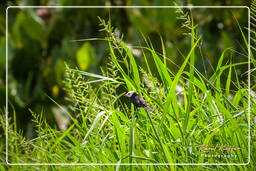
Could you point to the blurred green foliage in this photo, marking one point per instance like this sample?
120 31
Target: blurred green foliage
40 41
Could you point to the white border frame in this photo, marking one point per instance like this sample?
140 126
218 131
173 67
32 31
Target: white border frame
91 164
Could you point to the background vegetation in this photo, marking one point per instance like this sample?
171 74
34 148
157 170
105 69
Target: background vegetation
84 119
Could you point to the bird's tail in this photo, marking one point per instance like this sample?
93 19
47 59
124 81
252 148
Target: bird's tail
149 109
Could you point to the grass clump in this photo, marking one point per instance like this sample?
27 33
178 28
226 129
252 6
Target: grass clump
105 129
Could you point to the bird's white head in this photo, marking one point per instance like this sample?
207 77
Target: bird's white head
129 94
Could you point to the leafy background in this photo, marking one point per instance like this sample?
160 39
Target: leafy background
40 42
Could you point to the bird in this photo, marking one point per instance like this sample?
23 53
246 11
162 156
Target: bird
138 101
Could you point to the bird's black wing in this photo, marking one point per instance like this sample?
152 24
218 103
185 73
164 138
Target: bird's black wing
142 101
144 104
138 101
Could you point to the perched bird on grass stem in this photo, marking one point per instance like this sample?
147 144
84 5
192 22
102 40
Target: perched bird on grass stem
138 101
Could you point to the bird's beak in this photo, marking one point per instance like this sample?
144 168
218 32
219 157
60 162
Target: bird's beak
126 95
